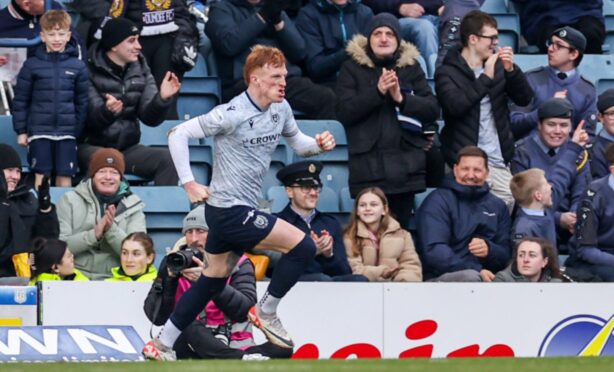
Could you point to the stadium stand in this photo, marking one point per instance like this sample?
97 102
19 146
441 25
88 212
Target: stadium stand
8 136
198 95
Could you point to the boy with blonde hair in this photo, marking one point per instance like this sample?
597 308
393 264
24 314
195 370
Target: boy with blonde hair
50 103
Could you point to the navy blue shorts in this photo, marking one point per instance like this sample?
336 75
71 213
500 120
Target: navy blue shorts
236 229
53 157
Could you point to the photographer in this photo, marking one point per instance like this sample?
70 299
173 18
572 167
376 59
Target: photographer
221 330
99 213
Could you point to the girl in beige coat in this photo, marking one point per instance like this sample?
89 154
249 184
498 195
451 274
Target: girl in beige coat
377 246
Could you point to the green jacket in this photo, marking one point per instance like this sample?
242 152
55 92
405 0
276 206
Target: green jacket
79 211
78 276
119 275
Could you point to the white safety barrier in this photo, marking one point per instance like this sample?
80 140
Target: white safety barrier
341 320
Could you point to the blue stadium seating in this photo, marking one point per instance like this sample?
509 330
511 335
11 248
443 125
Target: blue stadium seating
494 7
528 62
198 95
313 127
165 206
279 197
199 70
597 66
57 192
8 136
431 66
347 203
423 65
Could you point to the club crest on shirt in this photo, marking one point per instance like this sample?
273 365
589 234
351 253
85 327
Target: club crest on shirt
261 222
158 4
275 118
117 8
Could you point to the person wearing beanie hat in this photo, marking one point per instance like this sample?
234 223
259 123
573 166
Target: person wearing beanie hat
23 215
195 228
559 79
320 23
99 213
605 105
550 146
123 94
384 101
418 20
52 260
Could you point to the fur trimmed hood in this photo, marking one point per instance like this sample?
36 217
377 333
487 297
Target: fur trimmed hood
357 49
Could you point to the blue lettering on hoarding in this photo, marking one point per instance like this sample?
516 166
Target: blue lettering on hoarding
70 343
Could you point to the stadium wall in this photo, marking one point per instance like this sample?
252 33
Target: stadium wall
348 320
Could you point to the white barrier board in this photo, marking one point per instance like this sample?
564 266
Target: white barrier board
341 320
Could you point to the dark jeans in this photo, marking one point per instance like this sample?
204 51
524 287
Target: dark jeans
590 27
146 162
157 50
198 342
606 273
401 206
313 100
321 277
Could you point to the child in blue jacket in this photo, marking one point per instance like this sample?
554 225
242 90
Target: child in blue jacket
50 104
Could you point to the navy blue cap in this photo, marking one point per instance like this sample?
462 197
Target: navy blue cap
303 173
574 37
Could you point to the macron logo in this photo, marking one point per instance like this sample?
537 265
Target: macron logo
489 214
69 73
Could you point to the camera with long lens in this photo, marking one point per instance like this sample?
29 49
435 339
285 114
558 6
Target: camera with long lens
182 259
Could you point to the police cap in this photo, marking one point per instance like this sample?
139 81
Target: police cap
303 173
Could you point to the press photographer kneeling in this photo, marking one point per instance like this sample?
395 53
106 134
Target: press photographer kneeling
221 330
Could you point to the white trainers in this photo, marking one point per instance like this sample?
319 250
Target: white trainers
271 326
255 356
155 350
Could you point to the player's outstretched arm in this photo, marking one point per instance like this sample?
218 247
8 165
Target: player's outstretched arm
305 145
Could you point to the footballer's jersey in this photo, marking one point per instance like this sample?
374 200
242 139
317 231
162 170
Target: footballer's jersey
244 139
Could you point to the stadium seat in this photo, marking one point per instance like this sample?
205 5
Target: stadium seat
279 197
57 192
431 66
597 66
163 240
8 136
347 203
605 84
329 201
419 198
423 65
335 176
609 40
165 206
199 70
494 7
528 62
270 178
313 127
198 95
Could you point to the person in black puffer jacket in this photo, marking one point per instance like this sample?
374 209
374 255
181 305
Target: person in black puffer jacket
473 85
122 93
384 149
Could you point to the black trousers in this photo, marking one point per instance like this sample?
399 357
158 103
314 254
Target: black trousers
590 27
157 50
146 162
401 206
313 100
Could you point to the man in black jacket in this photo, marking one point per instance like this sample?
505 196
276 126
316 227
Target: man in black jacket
122 93
22 216
235 26
473 86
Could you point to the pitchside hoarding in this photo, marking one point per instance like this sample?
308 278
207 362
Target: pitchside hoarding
18 305
347 320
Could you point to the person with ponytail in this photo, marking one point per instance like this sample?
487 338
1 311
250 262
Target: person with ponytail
377 246
51 259
137 257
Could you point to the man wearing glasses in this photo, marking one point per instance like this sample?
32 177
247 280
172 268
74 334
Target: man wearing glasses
303 185
559 79
473 85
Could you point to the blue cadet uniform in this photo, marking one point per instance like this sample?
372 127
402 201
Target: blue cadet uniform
562 173
546 81
593 246
453 215
599 166
321 268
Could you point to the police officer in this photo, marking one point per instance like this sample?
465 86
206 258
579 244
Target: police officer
303 186
560 79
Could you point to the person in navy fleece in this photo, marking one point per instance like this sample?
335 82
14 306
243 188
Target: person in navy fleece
592 248
605 105
463 229
544 149
537 197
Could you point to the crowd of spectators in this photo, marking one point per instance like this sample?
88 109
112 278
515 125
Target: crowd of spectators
525 182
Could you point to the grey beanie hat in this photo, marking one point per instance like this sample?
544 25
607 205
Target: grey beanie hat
195 220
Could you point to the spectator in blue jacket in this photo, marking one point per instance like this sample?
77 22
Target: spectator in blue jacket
235 26
303 185
545 148
537 196
593 247
605 105
560 79
539 18
463 229
419 21
327 26
50 103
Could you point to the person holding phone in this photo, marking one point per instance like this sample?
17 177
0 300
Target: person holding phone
303 186
377 246
385 104
473 85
